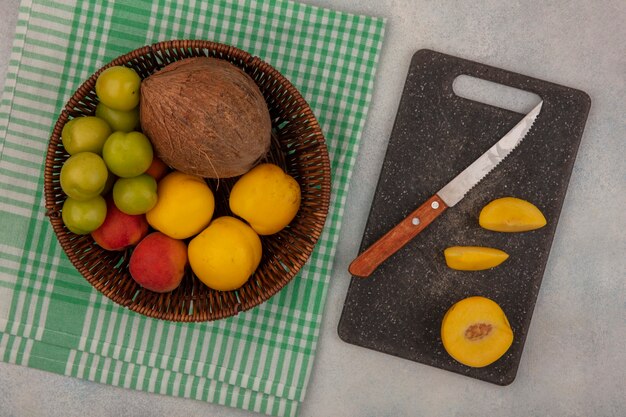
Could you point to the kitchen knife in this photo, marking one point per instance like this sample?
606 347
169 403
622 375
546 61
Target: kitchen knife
448 196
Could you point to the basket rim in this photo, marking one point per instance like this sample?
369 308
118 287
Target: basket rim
151 52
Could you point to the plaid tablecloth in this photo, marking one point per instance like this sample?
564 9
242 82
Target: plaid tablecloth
50 317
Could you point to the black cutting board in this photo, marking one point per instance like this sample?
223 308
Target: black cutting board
399 308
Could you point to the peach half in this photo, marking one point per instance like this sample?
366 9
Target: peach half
476 332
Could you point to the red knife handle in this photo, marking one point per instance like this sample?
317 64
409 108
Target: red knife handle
397 237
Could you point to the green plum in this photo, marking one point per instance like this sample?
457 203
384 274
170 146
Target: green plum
118 88
84 216
83 176
136 195
85 134
127 154
119 120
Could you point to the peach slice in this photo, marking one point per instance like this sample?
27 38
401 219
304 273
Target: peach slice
510 214
473 258
476 332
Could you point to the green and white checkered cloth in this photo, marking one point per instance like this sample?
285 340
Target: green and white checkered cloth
50 317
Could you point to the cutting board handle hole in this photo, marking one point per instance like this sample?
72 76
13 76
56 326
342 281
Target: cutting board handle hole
494 94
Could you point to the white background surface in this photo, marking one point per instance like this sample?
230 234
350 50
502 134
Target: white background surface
574 362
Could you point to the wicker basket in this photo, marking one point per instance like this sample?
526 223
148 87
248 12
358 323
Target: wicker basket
298 146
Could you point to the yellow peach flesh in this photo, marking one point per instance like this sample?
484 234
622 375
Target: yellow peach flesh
476 332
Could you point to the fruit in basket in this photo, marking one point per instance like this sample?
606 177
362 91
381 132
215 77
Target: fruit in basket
476 332
184 207
225 254
85 134
83 216
83 176
205 117
119 120
118 88
158 262
473 258
127 154
157 168
510 214
120 230
266 197
136 195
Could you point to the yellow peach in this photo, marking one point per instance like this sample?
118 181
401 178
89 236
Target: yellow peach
184 206
476 332
266 197
225 254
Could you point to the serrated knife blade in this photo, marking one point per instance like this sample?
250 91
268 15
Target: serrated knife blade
448 196
455 190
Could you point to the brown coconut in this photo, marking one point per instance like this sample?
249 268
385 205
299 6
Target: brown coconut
205 117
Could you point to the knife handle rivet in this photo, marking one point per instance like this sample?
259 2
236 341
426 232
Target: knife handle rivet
434 205
415 221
